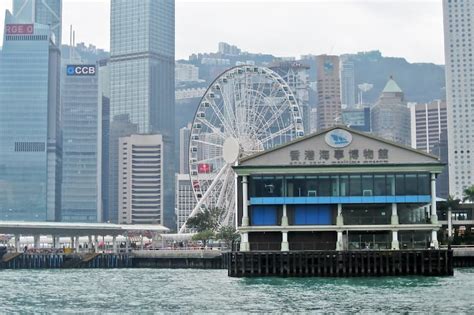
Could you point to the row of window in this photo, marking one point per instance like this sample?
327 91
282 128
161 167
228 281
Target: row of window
340 185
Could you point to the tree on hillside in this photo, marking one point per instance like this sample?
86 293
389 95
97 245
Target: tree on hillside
468 194
206 220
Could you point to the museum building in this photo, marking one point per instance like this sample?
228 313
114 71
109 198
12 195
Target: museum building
338 189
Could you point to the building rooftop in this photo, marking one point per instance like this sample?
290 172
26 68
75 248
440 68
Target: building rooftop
392 87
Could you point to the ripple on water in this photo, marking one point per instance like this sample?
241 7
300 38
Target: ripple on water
203 291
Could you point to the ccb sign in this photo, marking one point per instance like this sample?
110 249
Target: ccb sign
80 70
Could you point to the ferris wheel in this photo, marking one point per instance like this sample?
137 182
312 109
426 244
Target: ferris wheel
247 109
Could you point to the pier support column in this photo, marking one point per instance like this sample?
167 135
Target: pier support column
76 243
395 242
284 217
434 215
284 242
340 243
434 239
244 243
17 243
36 241
245 201
89 243
72 242
394 218
339 218
114 244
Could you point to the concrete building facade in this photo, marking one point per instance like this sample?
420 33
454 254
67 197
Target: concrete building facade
391 116
140 191
458 44
185 200
428 122
329 91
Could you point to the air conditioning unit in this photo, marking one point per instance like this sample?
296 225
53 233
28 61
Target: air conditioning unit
367 193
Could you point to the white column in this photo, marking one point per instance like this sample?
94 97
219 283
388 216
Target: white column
141 241
244 242
340 243
434 216
245 201
17 243
36 241
395 242
76 243
96 243
339 218
434 239
72 242
284 218
127 240
114 244
284 242
450 223
394 218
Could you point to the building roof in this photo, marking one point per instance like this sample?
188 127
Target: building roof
75 229
392 87
316 134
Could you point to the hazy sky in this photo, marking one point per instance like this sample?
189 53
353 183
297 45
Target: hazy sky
403 28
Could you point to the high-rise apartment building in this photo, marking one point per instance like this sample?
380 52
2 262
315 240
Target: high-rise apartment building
30 134
185 199
329 91
140 179
347 84
81 124
296 75
142 81
184 137
391 116
46 12
428 122
458 44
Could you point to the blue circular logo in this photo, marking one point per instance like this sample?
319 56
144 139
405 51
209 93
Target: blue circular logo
338 138
70 70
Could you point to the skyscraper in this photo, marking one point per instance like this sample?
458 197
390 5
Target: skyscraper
185 200
428 122
391 116
46 12
329 91
81 124
142 76
184 135
30 136
458 37
347 83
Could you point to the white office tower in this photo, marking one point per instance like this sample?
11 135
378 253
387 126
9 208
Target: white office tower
185 200
458 37
184 134
141 179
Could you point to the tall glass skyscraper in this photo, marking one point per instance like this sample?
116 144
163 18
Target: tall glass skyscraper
30 139
142 77
81 121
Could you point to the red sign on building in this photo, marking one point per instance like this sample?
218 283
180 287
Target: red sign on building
19 29
204 168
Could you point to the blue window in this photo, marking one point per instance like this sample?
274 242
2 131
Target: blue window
264 215
312 214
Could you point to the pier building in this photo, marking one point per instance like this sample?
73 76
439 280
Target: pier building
338 189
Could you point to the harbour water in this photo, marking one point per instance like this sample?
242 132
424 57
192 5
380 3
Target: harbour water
203 291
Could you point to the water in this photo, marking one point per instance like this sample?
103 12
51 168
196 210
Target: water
163 290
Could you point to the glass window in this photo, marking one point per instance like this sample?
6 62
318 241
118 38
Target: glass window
379 185
335 185
296 186
344 184
312 184
266 186
367 185
400 185
390 185
423 184
355 185
324 186
411 184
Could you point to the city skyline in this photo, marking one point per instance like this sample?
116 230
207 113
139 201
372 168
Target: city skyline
391 22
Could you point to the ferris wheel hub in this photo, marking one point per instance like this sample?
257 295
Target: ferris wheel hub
231 150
